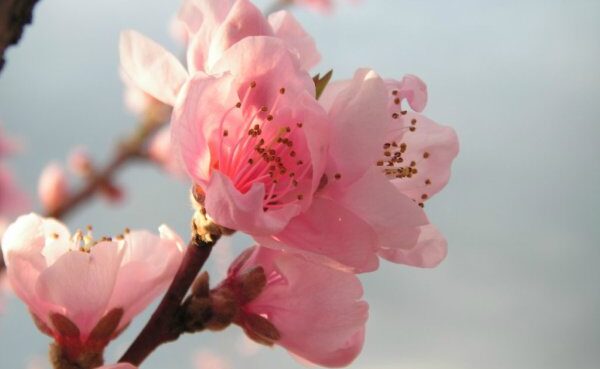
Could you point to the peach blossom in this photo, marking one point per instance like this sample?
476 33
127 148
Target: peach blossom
253 138
317 311
384 163
81 292
212 27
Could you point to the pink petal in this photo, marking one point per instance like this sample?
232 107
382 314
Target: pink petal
82 283
194 123
328 229
359 117
24 236
13 200
394 217
286 27
152 68
431 147
429 252
263 57
244 212
320 322
243 20
149 264
411 88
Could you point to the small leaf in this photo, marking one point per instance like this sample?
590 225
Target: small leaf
322 82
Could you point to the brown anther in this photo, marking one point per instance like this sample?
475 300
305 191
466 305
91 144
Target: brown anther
288 129
397 101
424 196
238 105
403 147
387 145
127 230
403 112
292 154
428 182
225 133
253 84
421 205
250 161
412 129
300 197
338 176
395 115
395 92
282 90
413 122
413 163
299 125
269 118
426 155
299 162
264 109
380 163
295 183
387 153
55 236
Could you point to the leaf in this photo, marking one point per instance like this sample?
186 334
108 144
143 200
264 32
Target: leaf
322 82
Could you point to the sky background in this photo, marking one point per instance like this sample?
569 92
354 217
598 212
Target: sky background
518 79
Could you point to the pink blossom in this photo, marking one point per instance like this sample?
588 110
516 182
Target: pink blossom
212 27
317 311
53 187
384 163
80 161
254 138
81 292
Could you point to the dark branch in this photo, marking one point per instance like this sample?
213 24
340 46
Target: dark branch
14 15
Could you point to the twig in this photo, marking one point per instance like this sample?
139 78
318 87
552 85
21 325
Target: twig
129 150
165 325
14 15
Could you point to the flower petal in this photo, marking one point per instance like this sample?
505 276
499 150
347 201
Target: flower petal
359 119
82 283
431 249
329 229
244 212
286 27
430 149
152 68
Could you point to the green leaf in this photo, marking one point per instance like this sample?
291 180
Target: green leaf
322 82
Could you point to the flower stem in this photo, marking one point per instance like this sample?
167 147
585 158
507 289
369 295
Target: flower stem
165 325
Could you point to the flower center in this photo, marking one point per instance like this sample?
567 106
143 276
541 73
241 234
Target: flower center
262 143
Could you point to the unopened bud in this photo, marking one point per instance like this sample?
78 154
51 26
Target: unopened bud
197 312
224 309
52 186
80 162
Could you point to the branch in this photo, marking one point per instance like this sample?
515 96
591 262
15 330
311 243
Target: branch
165 325
130 149
14 15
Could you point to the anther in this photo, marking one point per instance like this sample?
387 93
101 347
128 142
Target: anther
269 117
338 176
238 105
426 155
395 115
397 101
424 196
282 90
225 133
299 125
253 84
428 182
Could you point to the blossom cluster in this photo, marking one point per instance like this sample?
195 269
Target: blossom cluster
327 177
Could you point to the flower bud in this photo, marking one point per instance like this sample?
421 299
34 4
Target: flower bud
80 162
52 186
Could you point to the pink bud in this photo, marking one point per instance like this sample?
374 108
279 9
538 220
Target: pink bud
53 187
80 162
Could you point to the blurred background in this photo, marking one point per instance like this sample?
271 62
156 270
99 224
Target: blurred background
518 79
